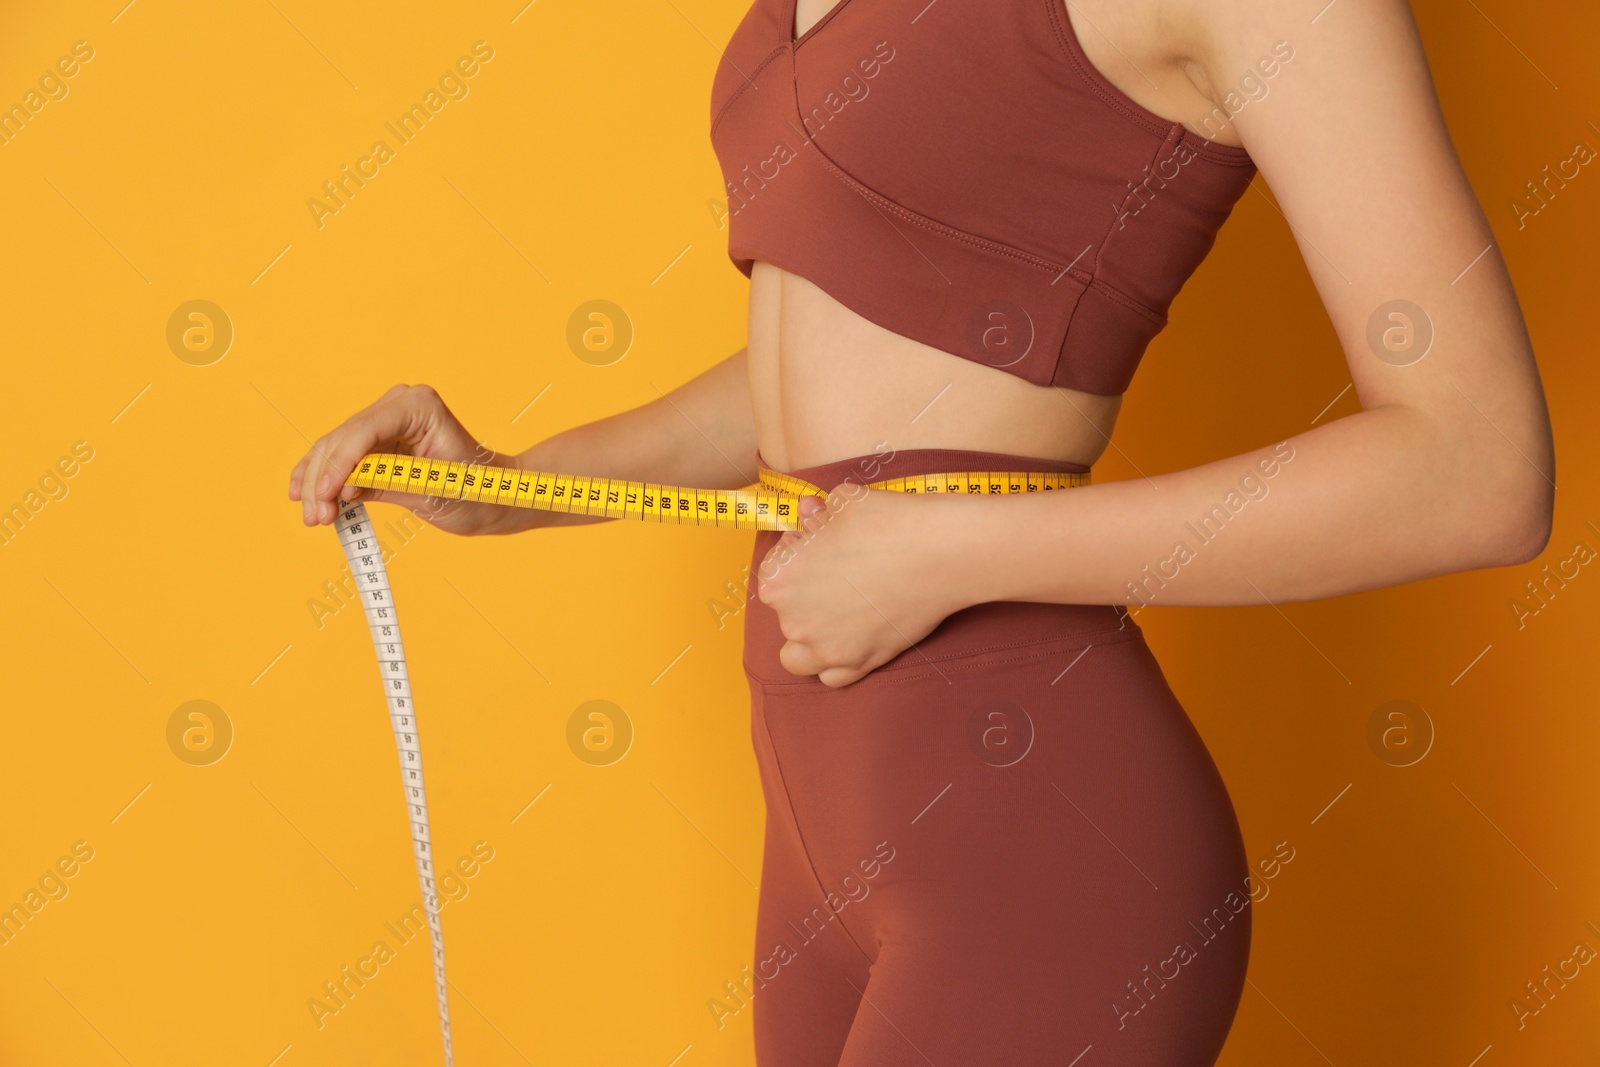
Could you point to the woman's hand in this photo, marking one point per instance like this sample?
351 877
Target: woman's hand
408 420
863 584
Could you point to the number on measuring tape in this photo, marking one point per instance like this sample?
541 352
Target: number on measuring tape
366 564
774 506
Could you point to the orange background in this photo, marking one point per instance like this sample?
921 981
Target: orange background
219 898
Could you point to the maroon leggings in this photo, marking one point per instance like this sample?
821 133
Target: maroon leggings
1007 845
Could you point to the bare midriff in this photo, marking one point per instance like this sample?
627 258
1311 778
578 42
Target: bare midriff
827 384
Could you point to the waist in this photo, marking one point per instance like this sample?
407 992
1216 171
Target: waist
979 632
889 463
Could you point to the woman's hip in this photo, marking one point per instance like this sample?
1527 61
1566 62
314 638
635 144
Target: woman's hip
1013 722
1045 811
1030 707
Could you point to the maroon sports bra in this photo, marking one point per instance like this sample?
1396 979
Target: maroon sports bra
960 174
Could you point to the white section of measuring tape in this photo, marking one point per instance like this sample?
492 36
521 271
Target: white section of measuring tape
366 566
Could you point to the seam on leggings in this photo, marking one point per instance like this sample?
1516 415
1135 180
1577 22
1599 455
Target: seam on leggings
922 673
805 849
888 677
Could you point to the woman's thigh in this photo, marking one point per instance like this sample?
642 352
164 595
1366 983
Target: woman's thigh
1014 851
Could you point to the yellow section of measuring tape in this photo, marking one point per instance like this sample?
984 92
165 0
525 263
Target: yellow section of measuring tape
774 506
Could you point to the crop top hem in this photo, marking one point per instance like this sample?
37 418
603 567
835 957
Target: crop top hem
1087 318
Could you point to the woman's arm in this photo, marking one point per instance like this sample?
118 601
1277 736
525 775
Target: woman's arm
1450 464
702 434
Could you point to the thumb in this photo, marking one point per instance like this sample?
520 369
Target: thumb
811 512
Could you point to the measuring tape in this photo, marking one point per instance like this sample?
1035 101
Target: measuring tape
775 507
366 567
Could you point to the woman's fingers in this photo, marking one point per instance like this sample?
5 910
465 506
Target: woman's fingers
298 482
367 496
351 493
310 506
399 416
408 419
397 419
294 478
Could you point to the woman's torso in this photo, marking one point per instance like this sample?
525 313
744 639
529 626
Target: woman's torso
827 383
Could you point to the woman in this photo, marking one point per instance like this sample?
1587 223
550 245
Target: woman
993 835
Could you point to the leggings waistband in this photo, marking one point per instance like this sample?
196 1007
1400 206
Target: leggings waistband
908 462
982 634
